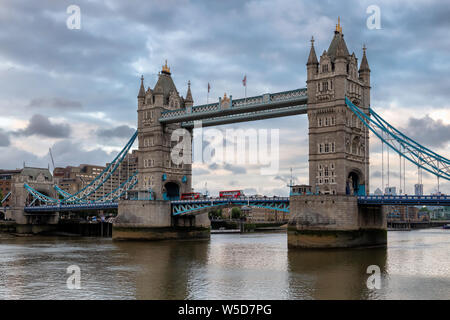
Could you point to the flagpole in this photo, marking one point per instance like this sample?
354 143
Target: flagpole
244 82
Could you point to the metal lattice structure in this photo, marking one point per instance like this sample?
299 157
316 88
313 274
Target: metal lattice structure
83 195
6 197
182 207
406 147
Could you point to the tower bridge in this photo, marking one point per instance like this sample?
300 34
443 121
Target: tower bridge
337 212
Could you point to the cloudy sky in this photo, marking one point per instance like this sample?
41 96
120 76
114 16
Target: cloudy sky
75 90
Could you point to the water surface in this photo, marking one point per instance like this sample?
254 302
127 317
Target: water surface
416 265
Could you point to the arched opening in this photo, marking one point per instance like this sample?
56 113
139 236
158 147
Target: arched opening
353 180
171 191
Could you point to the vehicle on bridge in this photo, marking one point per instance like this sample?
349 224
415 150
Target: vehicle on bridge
231 194
191 196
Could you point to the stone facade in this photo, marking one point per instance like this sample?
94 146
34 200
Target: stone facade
338 141
333 221
152 220
41 180
157 172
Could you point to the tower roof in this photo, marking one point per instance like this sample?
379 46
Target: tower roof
338 47
141 93
312 59
165 84
364 64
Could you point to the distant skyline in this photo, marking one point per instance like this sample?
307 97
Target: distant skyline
75 90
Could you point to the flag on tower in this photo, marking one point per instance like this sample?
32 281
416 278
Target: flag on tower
244 81
209 87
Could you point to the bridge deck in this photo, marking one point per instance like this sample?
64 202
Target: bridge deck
275 203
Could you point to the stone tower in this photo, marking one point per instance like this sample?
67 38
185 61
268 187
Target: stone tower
338 141
157 172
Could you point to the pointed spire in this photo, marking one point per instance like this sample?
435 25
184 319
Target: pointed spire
165 69
364 64
312 59
338 26
141 93
189 94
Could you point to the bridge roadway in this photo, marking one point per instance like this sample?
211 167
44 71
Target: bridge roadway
269 105
181 207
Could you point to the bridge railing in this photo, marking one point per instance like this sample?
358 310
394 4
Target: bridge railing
242 103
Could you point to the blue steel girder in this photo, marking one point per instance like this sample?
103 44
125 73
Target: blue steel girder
430 200
182 207
403 145
82 195
251 108
71 207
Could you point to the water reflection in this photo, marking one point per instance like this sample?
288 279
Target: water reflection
252 266
166 268
333 274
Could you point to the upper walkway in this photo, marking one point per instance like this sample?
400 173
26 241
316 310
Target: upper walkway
269 105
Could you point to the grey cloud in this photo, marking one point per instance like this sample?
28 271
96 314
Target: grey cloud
67 152
235 169
54 103
117 132
41 126
430 132
250 191
213 166
4 139
200 171
229 167
15 158
392 174
64 152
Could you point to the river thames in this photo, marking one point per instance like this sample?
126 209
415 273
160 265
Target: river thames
415 265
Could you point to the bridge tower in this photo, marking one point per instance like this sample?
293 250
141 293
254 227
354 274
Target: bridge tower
338 141
157 171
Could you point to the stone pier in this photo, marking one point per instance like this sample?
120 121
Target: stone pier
152 220
332 221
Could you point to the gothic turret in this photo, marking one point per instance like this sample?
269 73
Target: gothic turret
141 94
189 101
364 64
364 76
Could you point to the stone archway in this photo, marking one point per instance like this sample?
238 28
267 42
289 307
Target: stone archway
353 184
171 191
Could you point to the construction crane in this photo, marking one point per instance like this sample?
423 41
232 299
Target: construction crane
51 156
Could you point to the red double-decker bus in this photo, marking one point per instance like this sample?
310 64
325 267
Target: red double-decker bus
190 196
231 194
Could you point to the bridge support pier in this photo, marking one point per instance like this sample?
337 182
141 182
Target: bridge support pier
152 220
333 221
34 223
